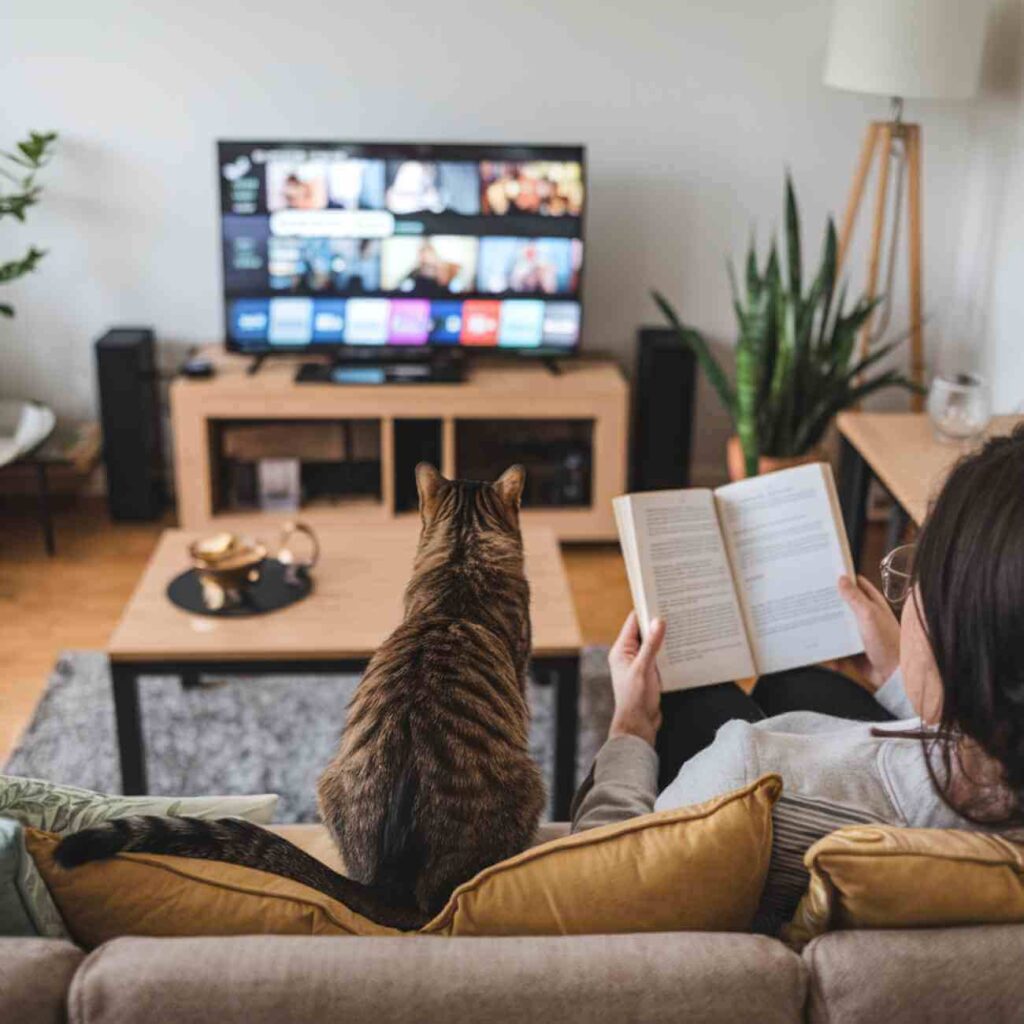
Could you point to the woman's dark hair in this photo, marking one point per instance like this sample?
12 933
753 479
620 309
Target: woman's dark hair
969 576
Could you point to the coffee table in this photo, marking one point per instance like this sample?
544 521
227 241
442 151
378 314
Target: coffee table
356 603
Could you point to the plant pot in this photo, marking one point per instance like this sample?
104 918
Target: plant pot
766 463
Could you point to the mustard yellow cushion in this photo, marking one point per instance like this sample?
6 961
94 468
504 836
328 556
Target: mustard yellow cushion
151 894
881 876
700 868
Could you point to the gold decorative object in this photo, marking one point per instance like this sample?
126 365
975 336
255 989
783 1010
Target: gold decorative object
228 564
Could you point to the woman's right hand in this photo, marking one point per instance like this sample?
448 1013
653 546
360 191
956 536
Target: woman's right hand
879 630
635 680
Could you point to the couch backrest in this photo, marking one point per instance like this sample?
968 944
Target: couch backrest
954 975
712 979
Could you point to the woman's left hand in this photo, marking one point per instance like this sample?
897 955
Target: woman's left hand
635 680
879 630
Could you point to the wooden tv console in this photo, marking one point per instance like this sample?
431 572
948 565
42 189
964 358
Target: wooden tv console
504 411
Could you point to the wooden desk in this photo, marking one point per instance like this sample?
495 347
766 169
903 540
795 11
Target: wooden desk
73 448
356 603
901 451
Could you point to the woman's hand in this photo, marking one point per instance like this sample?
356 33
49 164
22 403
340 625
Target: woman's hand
635 681
879 630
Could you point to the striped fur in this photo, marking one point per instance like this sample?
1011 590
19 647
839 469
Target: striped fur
433 780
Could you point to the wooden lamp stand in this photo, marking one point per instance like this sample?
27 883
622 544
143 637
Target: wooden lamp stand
879 143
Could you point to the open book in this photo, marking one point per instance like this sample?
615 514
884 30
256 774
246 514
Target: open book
744 576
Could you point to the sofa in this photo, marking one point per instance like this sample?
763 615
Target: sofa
956 974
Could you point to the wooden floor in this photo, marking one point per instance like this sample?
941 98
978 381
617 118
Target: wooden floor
72 601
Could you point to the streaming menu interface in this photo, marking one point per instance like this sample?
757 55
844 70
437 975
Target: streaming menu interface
401 245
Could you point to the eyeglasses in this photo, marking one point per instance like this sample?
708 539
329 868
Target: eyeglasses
897 573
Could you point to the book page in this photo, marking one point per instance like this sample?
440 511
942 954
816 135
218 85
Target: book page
788 549
679 571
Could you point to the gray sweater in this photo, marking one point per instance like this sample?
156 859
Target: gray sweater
834 773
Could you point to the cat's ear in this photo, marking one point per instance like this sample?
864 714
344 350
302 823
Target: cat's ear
510 485
428 483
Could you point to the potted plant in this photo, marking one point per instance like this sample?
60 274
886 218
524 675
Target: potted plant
20 168
23 424
794 355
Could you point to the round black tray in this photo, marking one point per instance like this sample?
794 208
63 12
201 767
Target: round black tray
272 592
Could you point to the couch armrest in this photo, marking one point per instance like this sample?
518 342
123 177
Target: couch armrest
933 974
34 978
256 979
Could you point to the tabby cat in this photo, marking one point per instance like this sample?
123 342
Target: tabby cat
433 780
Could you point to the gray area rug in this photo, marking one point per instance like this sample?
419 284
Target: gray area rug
272 734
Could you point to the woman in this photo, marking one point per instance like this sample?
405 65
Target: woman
944 688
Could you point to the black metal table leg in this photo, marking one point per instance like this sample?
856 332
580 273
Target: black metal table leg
565 677
190 679
45 512
854 479
129 728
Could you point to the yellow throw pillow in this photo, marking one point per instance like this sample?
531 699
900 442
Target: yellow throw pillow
881 876
693 868
152 894
699 868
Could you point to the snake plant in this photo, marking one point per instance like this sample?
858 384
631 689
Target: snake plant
794 351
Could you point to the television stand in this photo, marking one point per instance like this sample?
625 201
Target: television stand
553 366
394 368
357 447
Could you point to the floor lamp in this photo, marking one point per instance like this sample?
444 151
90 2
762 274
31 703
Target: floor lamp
903 49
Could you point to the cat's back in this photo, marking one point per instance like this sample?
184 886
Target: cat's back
433 779
439 680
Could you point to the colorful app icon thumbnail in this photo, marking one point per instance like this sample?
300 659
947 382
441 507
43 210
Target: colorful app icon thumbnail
328 321
521 323
561 323
291 321
366 321
410 321
249 320
480 321
446 322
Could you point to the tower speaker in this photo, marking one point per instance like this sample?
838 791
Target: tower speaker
663 403
130 416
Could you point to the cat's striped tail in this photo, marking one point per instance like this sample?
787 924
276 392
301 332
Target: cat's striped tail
237 842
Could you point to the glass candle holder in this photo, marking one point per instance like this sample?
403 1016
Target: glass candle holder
959 407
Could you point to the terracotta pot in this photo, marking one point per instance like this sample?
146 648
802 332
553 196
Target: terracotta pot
766 463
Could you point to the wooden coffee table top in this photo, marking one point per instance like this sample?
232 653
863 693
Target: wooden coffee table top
902 451
356 603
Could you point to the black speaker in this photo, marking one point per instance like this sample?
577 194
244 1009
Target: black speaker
663 402
130 415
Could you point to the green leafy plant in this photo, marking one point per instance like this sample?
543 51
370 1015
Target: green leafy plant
794 352
20 168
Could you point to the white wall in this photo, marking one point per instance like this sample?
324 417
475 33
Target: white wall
691 110
980 326
1002 132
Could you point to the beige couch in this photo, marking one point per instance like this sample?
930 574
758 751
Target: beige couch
961 975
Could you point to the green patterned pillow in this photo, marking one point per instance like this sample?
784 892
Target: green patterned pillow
62 809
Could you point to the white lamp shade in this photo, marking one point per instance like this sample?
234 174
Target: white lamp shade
909 48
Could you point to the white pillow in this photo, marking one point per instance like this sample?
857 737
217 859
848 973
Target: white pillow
62 809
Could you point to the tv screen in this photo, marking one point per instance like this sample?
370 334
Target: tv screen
354 244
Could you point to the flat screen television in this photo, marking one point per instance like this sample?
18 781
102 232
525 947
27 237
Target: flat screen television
331 245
